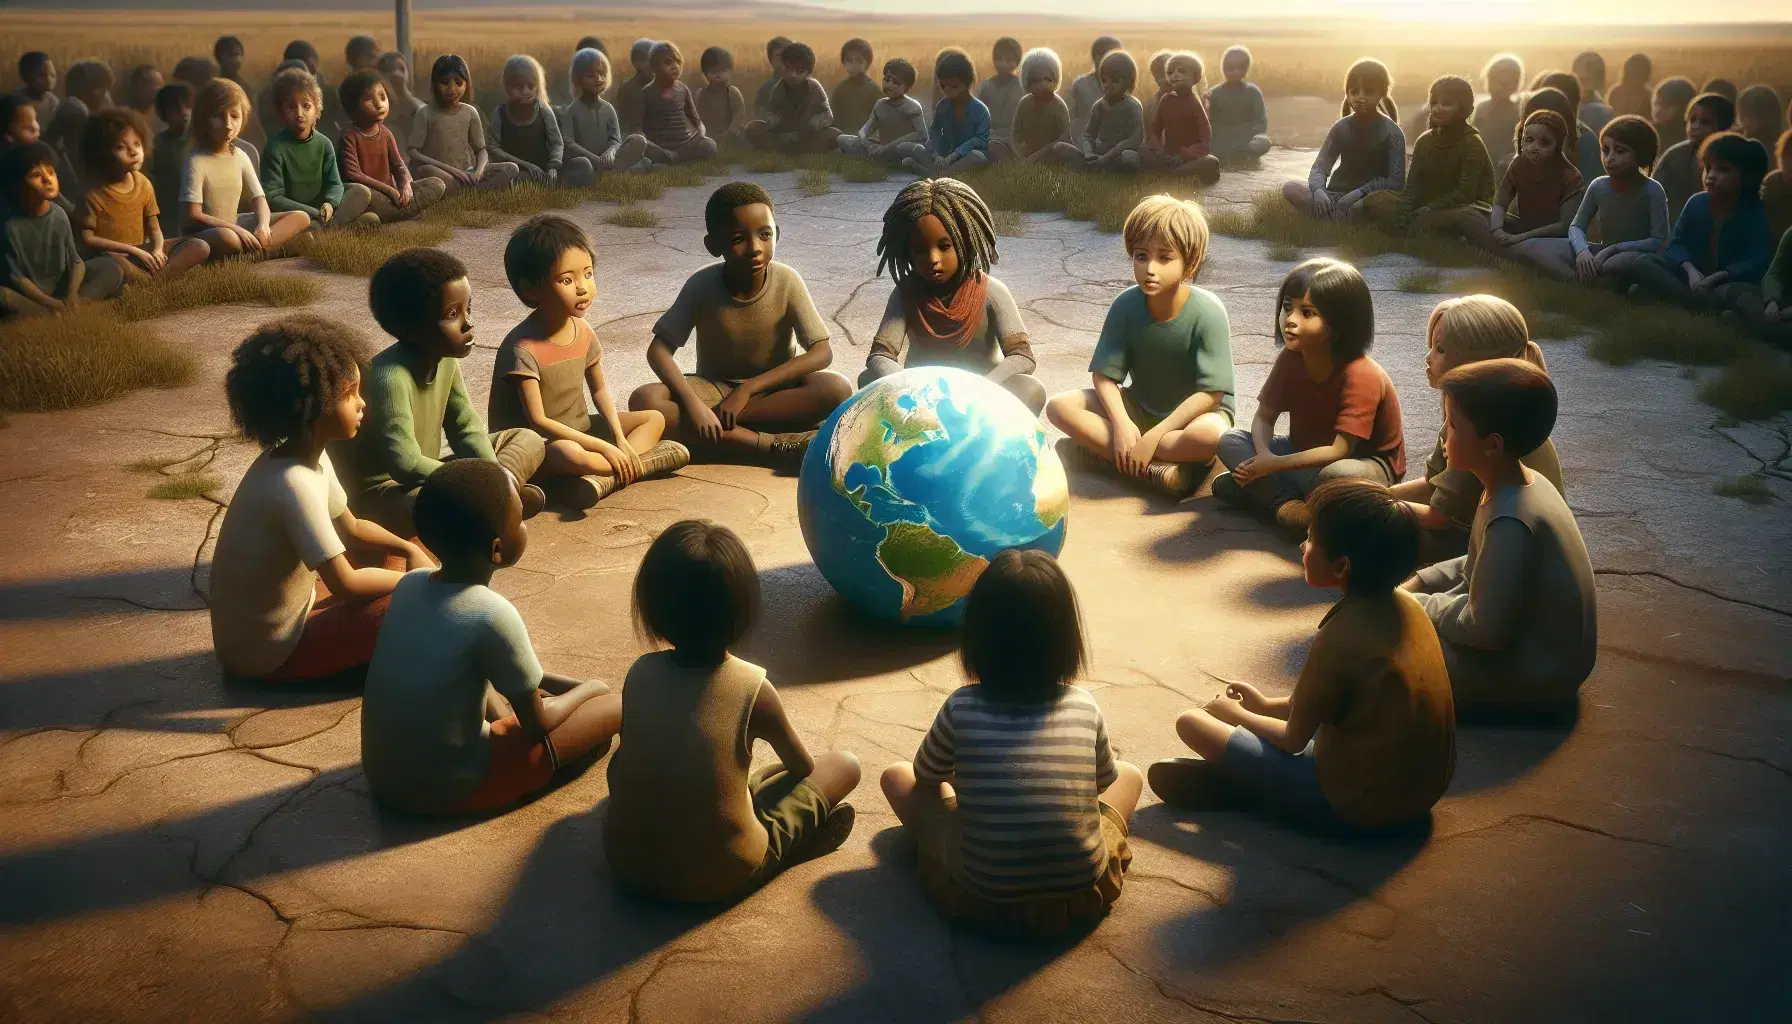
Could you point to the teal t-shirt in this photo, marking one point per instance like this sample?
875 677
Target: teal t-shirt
1167 361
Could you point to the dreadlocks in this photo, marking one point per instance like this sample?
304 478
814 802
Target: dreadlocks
965 215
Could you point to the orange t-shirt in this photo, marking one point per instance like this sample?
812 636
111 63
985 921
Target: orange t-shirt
1357 400
116 212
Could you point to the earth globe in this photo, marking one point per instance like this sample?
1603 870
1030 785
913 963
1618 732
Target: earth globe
916 482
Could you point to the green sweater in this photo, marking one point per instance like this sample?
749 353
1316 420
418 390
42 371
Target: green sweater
1449 168
1776 286
300 175
403 410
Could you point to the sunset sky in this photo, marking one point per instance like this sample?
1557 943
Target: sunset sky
1575 11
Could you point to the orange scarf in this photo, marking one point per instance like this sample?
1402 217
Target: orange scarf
956 319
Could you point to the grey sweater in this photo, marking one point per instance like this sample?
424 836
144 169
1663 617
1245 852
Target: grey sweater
1633 221
998 350
1114 127
1368 158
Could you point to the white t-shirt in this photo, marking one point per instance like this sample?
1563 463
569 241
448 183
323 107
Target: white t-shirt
423 730
218 182
279 528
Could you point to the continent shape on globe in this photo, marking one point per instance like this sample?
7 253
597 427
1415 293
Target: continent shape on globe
914 483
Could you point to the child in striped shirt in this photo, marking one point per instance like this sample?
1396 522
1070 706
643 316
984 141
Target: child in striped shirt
1017 804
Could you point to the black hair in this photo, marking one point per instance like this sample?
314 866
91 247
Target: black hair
954 63
858 46
718 212
361 46
1718 106
798 55
406 291
1509 397
138 77
1101 47
84 76
1748 156
715 58
224 45
101 132
287 372
1639 65
450 64
172 95
1457 88
1007 46
31 60
355 86
1566 82
961 211
195 70
1341 295
1362 520
697 590
1023 632
10 105
17 162
1638 134
902 70
591 43
462 507
295 82
299 49
534 247
1723 87
1553 100
774 46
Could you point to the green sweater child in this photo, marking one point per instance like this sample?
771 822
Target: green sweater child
1450 170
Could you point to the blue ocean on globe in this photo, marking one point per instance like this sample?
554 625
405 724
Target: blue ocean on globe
914 483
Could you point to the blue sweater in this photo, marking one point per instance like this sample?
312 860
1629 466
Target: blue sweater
1744 246
953 136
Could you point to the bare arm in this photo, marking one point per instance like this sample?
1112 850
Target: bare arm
664 363
606 403
28 288
819 356
768 722
1198 404
370 534
1312 457
529 389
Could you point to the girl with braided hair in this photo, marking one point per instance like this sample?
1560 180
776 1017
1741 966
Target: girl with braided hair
946 309
299 584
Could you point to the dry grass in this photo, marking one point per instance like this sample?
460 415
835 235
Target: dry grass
865 172
1754 386
633 217
360 251
84 357
1751 488
814 182
185 486
235 282
1423 282
1284 252
1011 223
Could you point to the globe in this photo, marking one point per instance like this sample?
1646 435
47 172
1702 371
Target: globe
916 482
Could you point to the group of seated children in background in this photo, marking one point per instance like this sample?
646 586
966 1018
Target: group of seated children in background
355 546
1684 202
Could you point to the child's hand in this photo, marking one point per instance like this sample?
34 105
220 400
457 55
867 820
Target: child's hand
553 176
1143 451
1248 697
1187 153
417 558
262 236
1501 237
58 305
1224 708
728 410
707 424
325 212
1126 438
1256 468
1773 312
622 459
1694 279
403 195
1586 265
251 240
1322 204
150 261
465 177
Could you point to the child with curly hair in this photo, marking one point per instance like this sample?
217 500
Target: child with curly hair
946 309
299 583
122 218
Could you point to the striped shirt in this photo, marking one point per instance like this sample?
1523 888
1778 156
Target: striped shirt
1027 777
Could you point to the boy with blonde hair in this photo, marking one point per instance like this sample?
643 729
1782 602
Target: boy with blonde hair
299 169
1240 119
1175 343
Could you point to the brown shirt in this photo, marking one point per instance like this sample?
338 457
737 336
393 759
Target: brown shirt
722 110
1180 121
852 101
1038 125
738 339
372 158
559 369
681 824
1533 193
116 212
1357 400
1376 684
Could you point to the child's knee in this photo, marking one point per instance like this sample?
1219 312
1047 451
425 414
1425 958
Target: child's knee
896 780
830 386
1236 446
1059 407
649 397
1296 193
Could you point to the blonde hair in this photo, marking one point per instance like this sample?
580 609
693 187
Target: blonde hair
218 96
524 68
1165 218
1041 59
1473 328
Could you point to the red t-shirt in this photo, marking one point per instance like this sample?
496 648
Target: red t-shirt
1357 400
1183 121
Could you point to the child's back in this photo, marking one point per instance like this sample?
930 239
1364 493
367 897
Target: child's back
685 748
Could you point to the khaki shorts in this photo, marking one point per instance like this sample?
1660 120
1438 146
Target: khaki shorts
936 830
1145 421
789 813
518 449
711 392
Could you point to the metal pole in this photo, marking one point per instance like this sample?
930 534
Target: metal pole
403 13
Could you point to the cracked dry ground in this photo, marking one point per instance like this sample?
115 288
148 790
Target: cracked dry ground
176 848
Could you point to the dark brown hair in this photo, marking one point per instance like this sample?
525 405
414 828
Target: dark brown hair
697 591
1362 520
1509 397
285 374
1023 632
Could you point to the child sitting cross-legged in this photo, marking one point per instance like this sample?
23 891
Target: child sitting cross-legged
168 153
370 155
1465 330
1518 615
855 95
1240 120
897 127
1175 343
1041 120
1368 738
547 362
44 271
1003 91
589 125
1449 185
1016 802
720 105
1085 90
415 395
1115 129
1720 246
1364 152
219 176
1538 195
1178 135
688 820
122 218
959 137
628 91
453 720
797 117
946 309
671 127
1343 413
526 132
1678 167
762 384
447 137
1631 207
299 169
299 584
